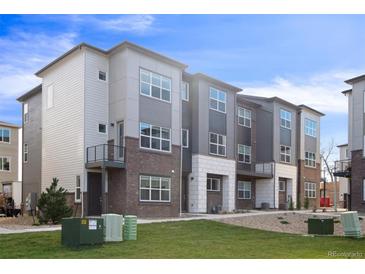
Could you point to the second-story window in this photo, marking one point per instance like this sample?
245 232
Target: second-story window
217 100
26 114
285 118
310 159
244 117
244 154
285 154
217 144
185 91
310 127
154 137
26 152
4 135
155 85
185 138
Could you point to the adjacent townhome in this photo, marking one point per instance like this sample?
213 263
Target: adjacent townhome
128 130
343 182
10 171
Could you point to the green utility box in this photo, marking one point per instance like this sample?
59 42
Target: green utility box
130 227
82 231
320 226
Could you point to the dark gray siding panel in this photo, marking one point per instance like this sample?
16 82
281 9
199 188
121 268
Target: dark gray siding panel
264 136
310 144
194 97
217 122
186 124
244 135
285 136
154 111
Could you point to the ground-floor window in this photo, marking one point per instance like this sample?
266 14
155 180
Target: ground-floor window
244 190
78 189
309 190
154 189
4 164
213 184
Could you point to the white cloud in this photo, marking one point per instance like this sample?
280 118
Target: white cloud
129 23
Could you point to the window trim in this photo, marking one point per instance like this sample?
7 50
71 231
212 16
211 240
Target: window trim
183 83
312 132
280 188
245 147
218 145
308 190
78 180
25 152
243 117
285 154
1 166
285 119
150 85
218 101
243 190
187 138
151 137
150 188
308 160
211 179
2 133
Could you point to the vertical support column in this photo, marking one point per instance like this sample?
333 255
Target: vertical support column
229 193
104 192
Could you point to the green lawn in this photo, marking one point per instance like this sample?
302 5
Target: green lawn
188 239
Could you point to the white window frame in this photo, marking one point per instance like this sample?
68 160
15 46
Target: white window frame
244 187
244 151
285 154
186 131
246 116
50 96
160 189
78 188
218 100
310 190
286 116
310 127
310 159
210 185
150 84
185 90
2 163
25 153
106 75
2 129
106 128
282 185
153 137
224 141
26 113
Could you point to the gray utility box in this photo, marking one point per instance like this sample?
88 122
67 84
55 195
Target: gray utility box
113 227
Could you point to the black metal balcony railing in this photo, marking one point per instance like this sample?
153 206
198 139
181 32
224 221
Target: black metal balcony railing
105 153
342 168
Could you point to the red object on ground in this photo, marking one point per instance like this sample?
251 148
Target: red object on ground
324 202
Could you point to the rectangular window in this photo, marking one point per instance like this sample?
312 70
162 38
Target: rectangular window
213 184
78 189
310 159
154 137
26 114
5 135
4 164
25 153
185 138
244 190
310 127
282 185
347 153
363 189
285 154
217 100
185 91
310 190
102 75
285 118
155 85
102 128
154 189
50 95
217 144
244 154
244 117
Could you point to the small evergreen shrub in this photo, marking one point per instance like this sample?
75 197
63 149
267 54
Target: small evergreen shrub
306 203
299 204
284 222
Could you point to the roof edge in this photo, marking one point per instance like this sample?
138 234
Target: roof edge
312 109
30 93
216 81
355 79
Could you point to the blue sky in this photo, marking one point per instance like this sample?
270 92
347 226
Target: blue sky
301 58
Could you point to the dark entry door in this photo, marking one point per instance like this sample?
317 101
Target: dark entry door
94 193
184 194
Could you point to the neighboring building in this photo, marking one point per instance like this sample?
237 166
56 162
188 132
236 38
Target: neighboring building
343 183
330 194
130 131
10 174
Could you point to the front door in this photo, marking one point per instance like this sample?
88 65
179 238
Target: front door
94 193
282 194
184 194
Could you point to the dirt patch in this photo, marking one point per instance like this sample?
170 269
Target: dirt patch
285 222
20 222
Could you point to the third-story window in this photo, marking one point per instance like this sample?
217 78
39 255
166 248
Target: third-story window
26 114
244 190
4 164
102 75
185 91
185 138
4 135
154 137
217 144
155 85
244 117
310 127
244 154
310 159
309 190
26 153
213 184
217 100
50 96
154 189
285 154
285 118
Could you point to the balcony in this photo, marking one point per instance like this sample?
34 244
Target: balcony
342 168
258 170
105 156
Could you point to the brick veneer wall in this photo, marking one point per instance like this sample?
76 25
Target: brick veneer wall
358 174
246 203
308 174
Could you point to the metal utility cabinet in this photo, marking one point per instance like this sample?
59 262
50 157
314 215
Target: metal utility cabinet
82 231
320 226
113 227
